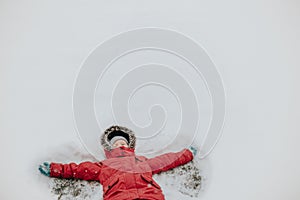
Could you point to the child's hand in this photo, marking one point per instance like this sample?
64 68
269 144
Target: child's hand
45 168
193 150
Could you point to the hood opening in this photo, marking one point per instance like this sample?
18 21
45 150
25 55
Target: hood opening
116 130
117 133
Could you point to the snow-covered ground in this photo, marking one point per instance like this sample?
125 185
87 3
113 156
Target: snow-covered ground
254 44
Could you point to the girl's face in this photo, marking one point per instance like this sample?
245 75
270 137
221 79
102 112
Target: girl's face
120 143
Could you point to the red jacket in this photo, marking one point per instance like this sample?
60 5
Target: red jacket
124 175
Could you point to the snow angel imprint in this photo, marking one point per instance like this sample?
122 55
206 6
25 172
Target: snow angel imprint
123 175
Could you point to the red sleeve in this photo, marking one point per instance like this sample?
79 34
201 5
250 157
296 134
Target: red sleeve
84 171
169 161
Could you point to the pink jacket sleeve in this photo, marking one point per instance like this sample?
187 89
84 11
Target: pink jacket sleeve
169 161
84 170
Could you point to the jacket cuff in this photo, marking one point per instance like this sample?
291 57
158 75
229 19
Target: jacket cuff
56 170
189 154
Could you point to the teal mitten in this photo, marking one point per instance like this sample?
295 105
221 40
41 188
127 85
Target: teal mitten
45 168
193 150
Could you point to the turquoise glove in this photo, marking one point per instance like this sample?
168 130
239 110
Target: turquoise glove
193 150
45 168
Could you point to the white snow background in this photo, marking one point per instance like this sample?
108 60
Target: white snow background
254 44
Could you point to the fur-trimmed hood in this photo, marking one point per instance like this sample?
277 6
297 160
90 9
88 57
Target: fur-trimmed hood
116 130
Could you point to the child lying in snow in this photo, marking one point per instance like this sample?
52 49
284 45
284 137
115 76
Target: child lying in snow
123 174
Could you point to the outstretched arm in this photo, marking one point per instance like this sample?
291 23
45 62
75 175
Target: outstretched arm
84 170
169 161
